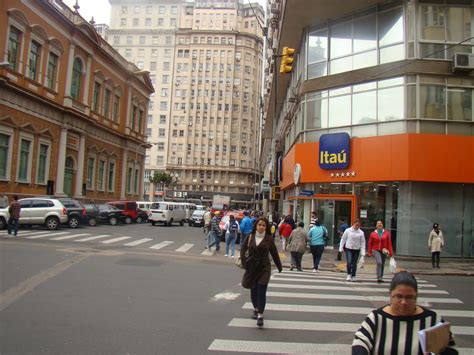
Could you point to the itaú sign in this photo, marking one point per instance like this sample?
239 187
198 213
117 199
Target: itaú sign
334 151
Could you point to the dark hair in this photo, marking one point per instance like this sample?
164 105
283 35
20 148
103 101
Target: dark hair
231 218
15 197
404 278
356 221
301 224
317 223
246 213
435 225
267 229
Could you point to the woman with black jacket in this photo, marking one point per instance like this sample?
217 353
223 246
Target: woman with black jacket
257 265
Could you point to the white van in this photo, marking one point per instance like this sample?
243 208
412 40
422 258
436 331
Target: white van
144 205
167 213
189 207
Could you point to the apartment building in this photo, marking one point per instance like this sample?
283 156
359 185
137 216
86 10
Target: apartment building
204 59
72 110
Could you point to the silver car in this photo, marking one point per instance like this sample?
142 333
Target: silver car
41 210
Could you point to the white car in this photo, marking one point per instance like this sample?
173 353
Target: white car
4 217
167 213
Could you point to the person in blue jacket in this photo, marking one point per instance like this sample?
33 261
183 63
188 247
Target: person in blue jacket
317 239
246 226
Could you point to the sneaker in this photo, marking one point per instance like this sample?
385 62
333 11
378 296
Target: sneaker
353 279
232 256
260 322
300 269
379 281
255 314
292 268
348 278
226 255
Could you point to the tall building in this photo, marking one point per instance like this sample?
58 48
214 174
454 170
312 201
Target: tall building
375 120
72 110
205 61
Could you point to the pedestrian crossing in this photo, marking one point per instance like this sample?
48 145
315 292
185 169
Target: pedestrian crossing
328 310
107 239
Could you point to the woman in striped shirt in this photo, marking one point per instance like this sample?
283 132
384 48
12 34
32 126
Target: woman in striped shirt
393 329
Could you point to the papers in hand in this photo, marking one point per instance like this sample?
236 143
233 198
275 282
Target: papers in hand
435 339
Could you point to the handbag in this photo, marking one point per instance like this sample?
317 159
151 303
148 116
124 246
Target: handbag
393 265
238 260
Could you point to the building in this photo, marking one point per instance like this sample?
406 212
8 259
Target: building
375 119
72 110
205 61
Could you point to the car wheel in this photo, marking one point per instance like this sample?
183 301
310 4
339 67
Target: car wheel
92 222
181 223
128 220
170 222
52 223
191 224
152 223
113 221
139 220
3 223
73 222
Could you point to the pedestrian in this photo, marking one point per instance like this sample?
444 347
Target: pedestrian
393 328
341 229
257 265
4 201
207 221
14 210
297 246
291 222
353 240
214 237
314 218
380 246
246 226
317 241
435 244
284 230
232 229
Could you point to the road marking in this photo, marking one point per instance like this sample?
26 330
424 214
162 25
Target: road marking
161 245
45 235
225 296
335 275
274 347
35 233
298 325
108 241
423 300
206 252
347 288
93 238
71 236
328 280
184 248
138 242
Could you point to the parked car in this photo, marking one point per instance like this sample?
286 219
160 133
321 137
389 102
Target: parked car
167 213
76 213
128 207
4 217
142 216
49 212
106 213
238 215
197 218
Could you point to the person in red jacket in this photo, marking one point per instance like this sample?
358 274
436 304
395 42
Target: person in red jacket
285 230
380 245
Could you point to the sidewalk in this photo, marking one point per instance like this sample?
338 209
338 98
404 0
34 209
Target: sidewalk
416 265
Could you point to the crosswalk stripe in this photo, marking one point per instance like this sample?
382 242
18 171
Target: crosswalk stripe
317 279
71 236
108 241
161 245
338 275
422 300
206 252
37 236
347 288
273 347
35 233
184 248
93 238
462 330
138 242
297 325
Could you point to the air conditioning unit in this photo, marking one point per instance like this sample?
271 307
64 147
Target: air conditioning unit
463 62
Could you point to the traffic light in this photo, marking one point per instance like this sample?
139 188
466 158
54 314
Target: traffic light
286 65
275 193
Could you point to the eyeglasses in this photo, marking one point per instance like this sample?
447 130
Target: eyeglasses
399 298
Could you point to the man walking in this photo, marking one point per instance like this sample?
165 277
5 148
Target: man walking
342 228
353 240
14 211
215 232
246 226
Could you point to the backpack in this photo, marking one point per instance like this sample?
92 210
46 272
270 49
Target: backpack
233 227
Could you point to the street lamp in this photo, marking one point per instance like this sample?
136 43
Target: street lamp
148 146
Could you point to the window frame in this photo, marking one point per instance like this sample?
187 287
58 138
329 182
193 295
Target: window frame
111 178
90 180
28 137
77 93
7 131
101 176
47 143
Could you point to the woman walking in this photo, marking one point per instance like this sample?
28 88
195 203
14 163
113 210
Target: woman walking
257 265
232 230
354 241
297 246
435 243
317 236
285 230
380 245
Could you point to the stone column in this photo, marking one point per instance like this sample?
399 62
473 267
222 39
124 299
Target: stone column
140 181
61 163
85 99
80 167
70 63
123 182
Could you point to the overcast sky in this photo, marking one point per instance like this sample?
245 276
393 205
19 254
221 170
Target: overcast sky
100 9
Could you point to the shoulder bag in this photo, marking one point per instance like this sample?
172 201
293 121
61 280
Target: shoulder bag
238 260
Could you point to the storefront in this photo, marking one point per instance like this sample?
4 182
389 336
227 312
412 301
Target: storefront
409 181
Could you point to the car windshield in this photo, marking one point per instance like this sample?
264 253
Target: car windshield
159 206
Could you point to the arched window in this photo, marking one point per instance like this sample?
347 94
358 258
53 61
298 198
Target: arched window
76 79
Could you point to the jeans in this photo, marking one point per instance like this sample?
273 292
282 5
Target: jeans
317 251
259 297
12 226
230 239
216 241
435 258
380 260
352 255
296 258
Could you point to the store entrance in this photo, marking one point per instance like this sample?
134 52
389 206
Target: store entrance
331 213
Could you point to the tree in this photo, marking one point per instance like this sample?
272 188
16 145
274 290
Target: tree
161 179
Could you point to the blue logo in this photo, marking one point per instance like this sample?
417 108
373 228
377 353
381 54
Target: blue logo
334 151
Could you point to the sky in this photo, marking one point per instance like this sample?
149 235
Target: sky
100 9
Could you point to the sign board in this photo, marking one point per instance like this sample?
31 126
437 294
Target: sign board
306 192
334 151
363 214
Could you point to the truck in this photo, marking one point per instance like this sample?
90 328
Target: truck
220 202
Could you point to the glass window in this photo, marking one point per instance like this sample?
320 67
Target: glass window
35 52
111 176
365 34
317 46
51 71
432 22
90 172
363 60
135 181
42 163
341 39
317 113
392 53
13 47
107 103
101 177
364 107
96 98
4 144
390 104
391 27
129 180
459 22
76 79
339 111
432 102
460 104
115 113
23 168
340 65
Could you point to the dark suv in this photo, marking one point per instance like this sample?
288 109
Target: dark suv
105 214
76 213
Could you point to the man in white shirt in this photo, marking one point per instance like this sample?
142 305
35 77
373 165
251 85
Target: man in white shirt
353 240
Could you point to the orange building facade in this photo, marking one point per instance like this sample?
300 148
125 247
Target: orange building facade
72 110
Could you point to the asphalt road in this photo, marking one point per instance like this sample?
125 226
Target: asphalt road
65 296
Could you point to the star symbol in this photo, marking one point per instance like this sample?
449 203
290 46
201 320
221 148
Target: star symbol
353 173
337 174
332 174
348 174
